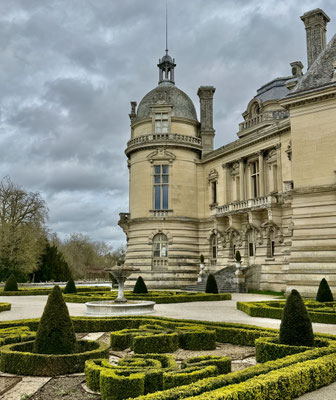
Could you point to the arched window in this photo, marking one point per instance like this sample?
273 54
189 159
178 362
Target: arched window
160 246
213 247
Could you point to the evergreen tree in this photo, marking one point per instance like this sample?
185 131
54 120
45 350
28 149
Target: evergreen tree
211 285
55 333
140 286
324 293
70 287
53 267
296 327
11 284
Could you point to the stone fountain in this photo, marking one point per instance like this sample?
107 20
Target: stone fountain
120 306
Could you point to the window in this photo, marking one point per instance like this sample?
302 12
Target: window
214 192
213 244
251 243
161 182
255 178
160 246
161 122
272 248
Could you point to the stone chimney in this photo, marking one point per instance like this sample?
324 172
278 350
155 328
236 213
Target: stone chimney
205 94
316 27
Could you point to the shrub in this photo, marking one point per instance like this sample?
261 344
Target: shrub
70 287
11 284
202 259
211 285
55 333
238 256
324 293
296 327
140 286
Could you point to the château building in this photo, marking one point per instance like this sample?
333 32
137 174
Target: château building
271 194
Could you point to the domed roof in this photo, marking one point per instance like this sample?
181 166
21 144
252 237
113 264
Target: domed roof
163 94
166 58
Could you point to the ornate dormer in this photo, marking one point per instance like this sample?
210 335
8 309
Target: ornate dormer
166 69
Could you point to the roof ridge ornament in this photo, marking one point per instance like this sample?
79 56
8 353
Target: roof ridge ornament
166 63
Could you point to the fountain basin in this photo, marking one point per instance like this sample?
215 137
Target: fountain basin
112 309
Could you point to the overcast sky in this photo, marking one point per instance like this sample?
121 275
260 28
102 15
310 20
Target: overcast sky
69 69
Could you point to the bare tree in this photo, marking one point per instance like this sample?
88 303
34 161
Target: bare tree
22 230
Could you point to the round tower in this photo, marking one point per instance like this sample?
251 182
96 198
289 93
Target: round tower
163 152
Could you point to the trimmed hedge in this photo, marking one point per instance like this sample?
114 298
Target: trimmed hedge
38 291
324 293
5 307
150 374
11 284
268 348
323 313
15 335
140 286
162 297
149 338
70 287
19 359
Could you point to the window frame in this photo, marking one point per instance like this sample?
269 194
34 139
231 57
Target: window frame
162 243
161 187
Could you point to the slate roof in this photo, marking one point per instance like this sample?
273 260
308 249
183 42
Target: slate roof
274 90
320 72
167 94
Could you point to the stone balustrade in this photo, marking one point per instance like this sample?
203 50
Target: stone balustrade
257 202
266 116
161 213
175 138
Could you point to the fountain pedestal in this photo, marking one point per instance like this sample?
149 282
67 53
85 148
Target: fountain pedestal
120 306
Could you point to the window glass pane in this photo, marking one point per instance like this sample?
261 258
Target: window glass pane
165 169
165 116
157 197
164 251
251 249
164 179
157 178
165 197
157 169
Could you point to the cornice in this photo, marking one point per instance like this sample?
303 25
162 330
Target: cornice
309 96
245 142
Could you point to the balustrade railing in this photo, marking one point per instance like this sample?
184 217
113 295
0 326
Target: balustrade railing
266 116
263 201
161 213
159 137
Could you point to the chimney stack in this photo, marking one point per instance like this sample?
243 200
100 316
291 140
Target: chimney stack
316 27
205 94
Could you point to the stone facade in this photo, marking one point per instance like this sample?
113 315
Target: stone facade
270 194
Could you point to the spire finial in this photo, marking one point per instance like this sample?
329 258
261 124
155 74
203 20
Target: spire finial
166 29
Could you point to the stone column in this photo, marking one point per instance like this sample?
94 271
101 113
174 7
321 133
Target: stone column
261 174
225 184
241 179
249 182
278 163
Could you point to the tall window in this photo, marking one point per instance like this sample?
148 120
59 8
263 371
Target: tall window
251 243
160 246
213 249
161 182
255 178
214 192
161 122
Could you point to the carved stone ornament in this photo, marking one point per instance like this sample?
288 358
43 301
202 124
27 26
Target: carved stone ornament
289 150
234 170
161 155
213 175
158 231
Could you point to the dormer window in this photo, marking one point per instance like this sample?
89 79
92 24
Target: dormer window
161 122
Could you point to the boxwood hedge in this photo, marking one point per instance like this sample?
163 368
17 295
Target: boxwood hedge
40 291
18 359
318 312
5 307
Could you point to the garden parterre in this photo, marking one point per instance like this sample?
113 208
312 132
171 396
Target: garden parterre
283 378
318 312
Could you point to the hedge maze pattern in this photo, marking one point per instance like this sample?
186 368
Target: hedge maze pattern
155 376
142 374
324 313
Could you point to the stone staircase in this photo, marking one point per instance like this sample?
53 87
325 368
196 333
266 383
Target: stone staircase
225 281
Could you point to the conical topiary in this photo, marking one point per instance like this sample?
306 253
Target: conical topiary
296 327
55 333
140 286
211 285
324 293
11 284
70 287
